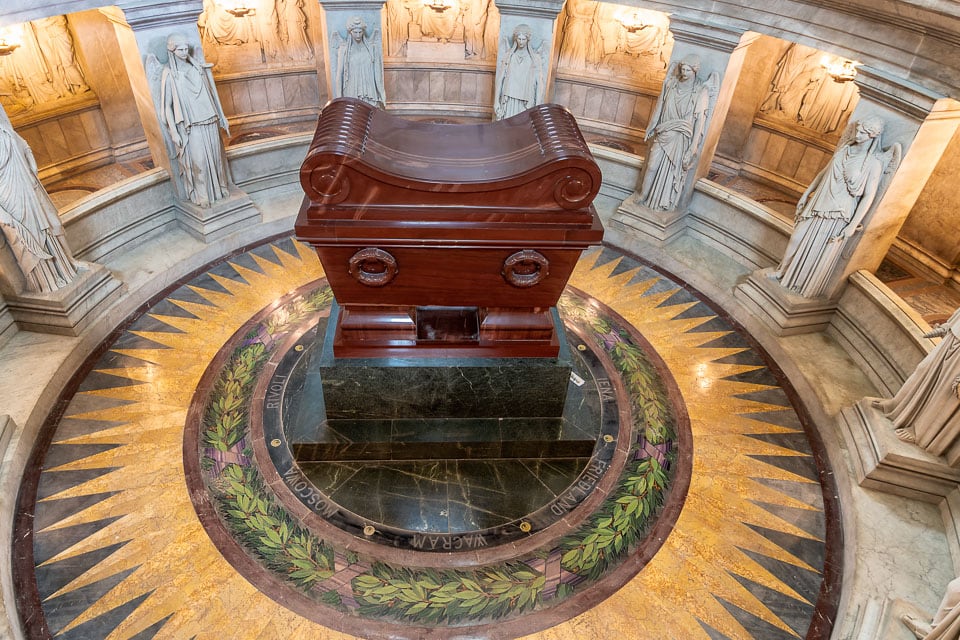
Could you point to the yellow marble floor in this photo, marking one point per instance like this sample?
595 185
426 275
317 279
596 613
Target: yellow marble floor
111 544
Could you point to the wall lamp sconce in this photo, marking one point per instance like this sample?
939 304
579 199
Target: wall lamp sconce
237 8
10 39
632 21
839 69
437 5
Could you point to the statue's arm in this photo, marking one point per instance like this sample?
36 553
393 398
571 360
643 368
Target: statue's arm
27 153
166 100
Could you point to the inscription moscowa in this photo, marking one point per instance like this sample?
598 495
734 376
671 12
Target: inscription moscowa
308 494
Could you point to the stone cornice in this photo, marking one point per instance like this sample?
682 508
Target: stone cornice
548 9
356 5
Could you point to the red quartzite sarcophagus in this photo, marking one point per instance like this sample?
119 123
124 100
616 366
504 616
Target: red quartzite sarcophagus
447 239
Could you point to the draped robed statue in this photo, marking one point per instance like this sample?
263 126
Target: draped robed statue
833 207
359 70
28 218
520 81
926 409
675 133
191 118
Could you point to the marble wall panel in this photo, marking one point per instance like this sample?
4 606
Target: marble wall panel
750 233
114 220
882 334
619 112
66 143
782 159
415 90
270 98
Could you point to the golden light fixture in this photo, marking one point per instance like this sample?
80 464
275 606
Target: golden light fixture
632 21
437 5
10 38
840 69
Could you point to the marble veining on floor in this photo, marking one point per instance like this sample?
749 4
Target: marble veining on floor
113 543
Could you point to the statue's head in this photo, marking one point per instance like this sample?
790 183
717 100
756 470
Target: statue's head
178 45
872 125
521 35
688 65
357 28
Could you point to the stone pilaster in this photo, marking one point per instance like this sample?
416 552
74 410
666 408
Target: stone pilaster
142 33
721 50
540 16
337 14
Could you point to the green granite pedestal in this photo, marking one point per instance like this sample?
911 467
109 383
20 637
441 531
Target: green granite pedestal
470 407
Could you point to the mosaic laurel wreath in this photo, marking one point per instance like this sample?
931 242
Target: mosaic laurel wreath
369 588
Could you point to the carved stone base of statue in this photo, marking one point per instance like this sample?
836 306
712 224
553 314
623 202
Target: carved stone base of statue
67 311
886 463
8 326
658 227
880 617
219 219
7 427
785 312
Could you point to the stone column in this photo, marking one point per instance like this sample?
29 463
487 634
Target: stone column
656 210
353 34
917 127
208 204
532 82
45 288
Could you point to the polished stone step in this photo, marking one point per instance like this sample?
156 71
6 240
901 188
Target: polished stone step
443 439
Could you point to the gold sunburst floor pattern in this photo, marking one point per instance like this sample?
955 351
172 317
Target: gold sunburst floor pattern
110 545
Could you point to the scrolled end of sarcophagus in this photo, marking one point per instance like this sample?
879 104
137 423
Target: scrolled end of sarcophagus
362 156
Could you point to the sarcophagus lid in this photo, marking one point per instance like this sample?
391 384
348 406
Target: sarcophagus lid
362 156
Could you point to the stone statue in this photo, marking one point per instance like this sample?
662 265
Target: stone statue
28 218
798 73
399 17
520 81
945 624
359 72
27 76
476 21
579 44
827 108
56 43
833 207
803 92
641 43
676 133
219 27
926 409
440 26
291 27
191 116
